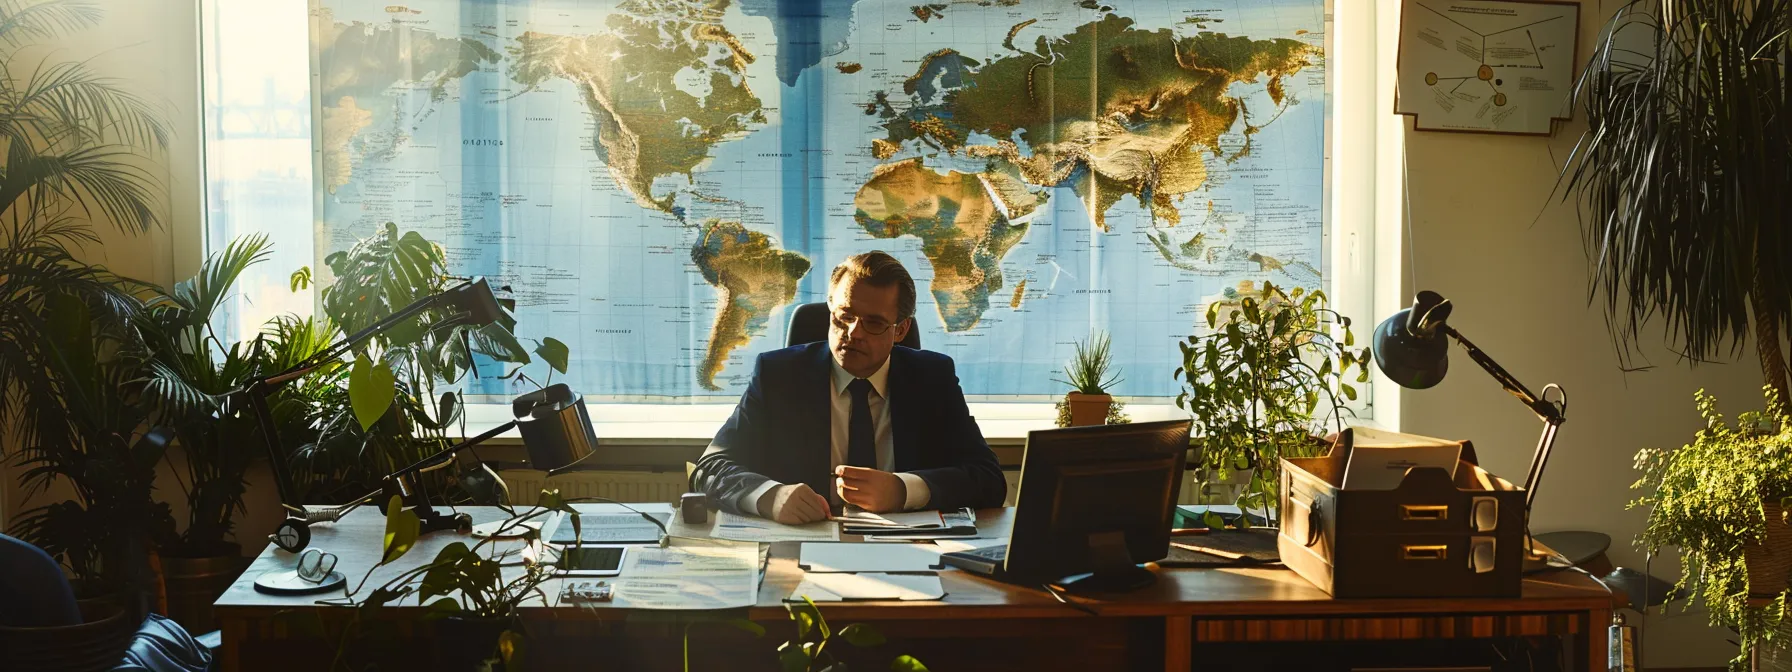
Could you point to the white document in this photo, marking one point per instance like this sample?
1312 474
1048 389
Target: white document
833 557
691 573
857 517
868 586
1379 458
743 528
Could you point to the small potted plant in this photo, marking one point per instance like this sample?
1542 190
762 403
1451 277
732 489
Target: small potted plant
1087 374
1256 382
1722 500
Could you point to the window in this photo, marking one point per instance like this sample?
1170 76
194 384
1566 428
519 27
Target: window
660 189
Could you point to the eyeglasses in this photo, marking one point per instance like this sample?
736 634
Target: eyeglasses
315 565
846 322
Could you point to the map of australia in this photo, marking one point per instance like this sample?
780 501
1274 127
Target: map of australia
661 181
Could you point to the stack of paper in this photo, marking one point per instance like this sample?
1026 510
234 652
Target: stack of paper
910 526
1379 459
743 528
691 574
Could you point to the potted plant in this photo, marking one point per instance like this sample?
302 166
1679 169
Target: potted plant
1722 500
472 605
407 404
190 381
1683 174
1087 375
1268 376
66 343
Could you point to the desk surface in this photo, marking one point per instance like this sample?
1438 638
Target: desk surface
1199 593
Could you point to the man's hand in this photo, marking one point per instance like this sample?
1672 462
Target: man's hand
795 504
870 489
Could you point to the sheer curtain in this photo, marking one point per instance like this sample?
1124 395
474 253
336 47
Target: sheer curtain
257 88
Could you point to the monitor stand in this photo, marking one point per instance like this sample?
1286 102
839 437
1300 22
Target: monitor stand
1114 570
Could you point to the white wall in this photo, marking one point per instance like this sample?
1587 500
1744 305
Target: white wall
1520 290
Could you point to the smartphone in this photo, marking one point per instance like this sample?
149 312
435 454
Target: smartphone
591 560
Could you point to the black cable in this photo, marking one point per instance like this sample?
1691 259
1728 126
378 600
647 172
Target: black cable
1059 595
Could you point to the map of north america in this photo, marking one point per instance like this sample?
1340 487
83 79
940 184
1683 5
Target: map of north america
660 182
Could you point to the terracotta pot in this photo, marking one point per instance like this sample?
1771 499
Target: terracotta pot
1769 563
194 583
1088 409
98 643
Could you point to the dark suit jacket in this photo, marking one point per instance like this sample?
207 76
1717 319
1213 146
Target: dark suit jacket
781 430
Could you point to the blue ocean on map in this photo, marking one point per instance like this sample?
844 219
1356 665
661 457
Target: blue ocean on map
515 179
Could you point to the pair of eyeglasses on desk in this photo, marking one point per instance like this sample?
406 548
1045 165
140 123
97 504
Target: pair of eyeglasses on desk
315 566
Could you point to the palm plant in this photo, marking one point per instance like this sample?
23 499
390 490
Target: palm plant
1087 372
190 381
1684 175
72 143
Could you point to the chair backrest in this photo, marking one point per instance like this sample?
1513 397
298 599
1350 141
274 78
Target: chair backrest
809 323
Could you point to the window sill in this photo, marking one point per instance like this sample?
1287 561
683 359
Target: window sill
696 424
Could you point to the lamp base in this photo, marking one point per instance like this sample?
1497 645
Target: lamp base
1539 558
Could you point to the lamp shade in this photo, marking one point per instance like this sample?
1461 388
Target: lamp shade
555 426
1411 346
475 301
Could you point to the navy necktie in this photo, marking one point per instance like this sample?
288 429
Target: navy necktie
861 440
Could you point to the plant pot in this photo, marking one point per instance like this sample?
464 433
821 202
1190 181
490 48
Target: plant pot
98 643
462 643
1088 409
1769 563
194 583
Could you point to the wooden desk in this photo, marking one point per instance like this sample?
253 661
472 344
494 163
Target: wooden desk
981 624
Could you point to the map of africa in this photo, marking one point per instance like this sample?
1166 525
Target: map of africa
661 181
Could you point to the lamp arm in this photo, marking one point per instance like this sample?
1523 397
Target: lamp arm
1545 409
1553 413
487 435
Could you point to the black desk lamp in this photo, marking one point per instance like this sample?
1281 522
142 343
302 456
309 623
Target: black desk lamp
556 430
1412 347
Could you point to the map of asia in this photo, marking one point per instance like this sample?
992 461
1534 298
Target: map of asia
660 182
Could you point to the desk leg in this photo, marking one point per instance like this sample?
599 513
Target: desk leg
229 654
1597 643
1179 635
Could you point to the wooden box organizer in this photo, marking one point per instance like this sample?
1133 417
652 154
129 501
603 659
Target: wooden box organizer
1430 537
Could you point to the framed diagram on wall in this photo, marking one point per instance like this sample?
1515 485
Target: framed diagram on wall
1487 66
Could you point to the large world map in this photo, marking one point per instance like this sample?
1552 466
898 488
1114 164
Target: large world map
661 181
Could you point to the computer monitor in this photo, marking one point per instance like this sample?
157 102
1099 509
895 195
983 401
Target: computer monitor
1096 501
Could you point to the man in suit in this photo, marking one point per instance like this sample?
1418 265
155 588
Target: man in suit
856 420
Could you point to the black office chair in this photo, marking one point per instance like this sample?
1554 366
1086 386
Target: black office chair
809 323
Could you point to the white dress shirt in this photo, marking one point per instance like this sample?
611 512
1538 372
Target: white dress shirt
840 422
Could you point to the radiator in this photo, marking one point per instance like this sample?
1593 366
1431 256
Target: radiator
622 486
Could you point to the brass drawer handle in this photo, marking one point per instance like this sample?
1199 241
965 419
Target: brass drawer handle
1424 512
1437 552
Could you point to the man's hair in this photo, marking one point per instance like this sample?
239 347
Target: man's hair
878 269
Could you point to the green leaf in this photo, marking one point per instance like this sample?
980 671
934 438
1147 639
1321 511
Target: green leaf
441 608
861 634
1213 520
512 650
805 622
554 353
907 663
371 390
793 658
300 279
1349 392
402 528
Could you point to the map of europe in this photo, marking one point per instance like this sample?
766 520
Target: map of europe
660 182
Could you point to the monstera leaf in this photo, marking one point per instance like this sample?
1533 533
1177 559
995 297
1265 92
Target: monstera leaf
381 275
